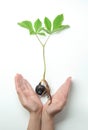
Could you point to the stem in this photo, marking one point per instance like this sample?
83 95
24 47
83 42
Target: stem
46 40
39 40
44 60
44 74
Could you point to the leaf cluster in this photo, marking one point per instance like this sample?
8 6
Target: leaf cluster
47 27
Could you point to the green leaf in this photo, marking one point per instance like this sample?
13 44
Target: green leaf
41 33
45 30
61 28
47 23
40 29
37 25
58 21
27 25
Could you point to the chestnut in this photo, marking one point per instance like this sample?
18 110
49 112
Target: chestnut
40 89
43 89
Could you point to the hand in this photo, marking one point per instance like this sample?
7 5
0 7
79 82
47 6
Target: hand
26 94
58 99
32 103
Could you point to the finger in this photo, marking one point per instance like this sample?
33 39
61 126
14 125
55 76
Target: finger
20 95
28 87
66 87
31 92
18 84
19 81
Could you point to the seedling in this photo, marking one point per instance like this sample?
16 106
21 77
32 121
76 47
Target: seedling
47 28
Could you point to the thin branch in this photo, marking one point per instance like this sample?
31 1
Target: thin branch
46 40
39 40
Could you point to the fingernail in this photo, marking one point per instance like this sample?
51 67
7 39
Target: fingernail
70 77
18 74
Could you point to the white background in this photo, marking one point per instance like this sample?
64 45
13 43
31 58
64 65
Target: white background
66 55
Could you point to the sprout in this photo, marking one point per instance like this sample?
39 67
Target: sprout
38 29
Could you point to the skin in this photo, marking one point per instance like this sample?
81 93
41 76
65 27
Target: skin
41 116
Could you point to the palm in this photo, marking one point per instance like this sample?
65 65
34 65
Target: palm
58 99
31 101
26 94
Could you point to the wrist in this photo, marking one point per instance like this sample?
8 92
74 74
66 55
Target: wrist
34 121
46 115
36 114
47 121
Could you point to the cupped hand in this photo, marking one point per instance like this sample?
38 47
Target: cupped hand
59 99
26 94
